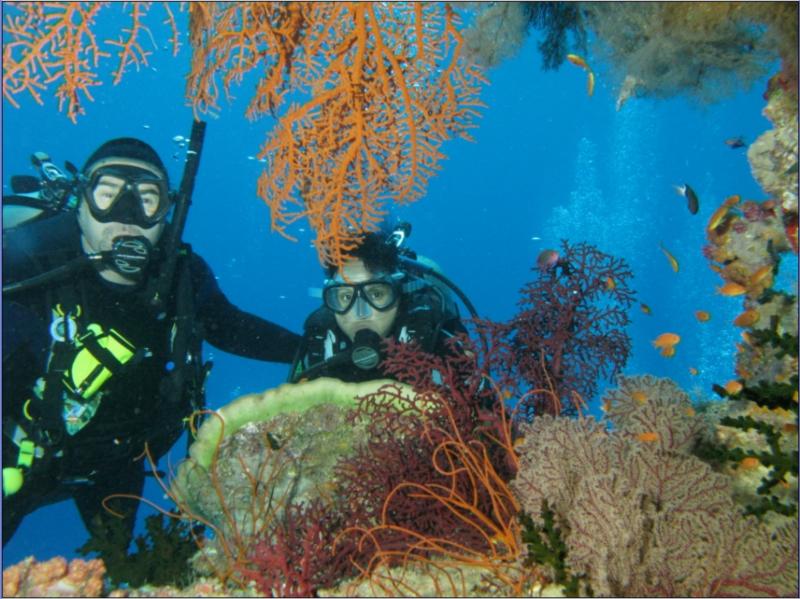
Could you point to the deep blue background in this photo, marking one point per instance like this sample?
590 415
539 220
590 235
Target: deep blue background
548 162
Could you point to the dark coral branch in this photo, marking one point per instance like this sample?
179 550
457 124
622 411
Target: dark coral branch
570 330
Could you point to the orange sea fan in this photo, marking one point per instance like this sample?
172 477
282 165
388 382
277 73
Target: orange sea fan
376 88
53 42
384 89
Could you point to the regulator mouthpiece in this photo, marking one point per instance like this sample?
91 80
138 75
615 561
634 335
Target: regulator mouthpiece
130 256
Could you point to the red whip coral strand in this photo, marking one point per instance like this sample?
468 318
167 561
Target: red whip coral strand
445 460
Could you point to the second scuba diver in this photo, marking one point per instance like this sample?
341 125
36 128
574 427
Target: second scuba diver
383 291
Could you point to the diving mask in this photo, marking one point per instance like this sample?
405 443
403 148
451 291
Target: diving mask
381 294
127 195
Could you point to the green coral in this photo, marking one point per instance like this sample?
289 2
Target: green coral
779 461
161 554
546 547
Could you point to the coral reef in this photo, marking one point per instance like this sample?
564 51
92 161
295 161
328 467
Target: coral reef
773 158
757 447
500 28
756 435
745 243
161 557
260 460
430 483
380 88
298 556
201 587
54 578
642 516
705 50
569 332
498 32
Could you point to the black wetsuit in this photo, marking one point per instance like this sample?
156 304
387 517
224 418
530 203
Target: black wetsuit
138 404
427 316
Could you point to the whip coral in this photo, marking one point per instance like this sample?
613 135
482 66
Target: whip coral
446 459
384 87
569 332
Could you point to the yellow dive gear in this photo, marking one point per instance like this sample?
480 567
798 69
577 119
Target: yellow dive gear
91 367
13 477
12 481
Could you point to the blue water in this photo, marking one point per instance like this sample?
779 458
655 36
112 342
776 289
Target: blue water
548 163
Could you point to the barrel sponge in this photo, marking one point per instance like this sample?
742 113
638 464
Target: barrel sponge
259 407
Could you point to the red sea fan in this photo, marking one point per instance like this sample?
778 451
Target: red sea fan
569 332
414 454
297 558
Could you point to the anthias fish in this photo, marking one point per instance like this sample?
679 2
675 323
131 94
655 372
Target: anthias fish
672 261
547 259
578 61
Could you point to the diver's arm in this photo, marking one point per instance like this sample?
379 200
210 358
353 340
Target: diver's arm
32 248
233 330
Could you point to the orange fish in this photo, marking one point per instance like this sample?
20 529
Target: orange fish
666 340
577 61
761 274
731 289
702 316
606 405
610 284
717 217
639 396
668 352
645 308
747 318
732 200
672 261
693 371
733 387
648 437
690 412
749 463
590 84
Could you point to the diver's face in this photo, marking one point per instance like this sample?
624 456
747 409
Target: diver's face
361 315
99 237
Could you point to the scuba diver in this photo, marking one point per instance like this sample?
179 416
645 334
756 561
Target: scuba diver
104 311
383 291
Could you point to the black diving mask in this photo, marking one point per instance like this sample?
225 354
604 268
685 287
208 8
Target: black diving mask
127 195
381 294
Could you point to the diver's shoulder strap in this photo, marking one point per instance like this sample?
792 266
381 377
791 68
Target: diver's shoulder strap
187 378
49 427
427 310
321 340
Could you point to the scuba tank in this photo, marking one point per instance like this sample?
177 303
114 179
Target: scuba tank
35 198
